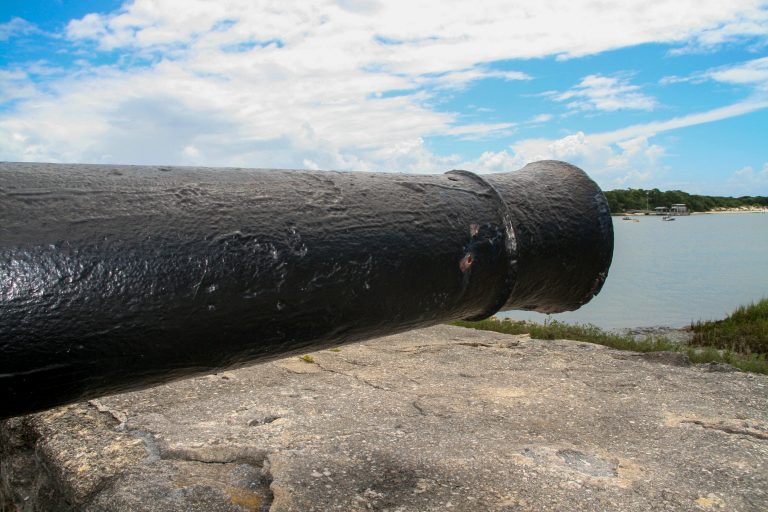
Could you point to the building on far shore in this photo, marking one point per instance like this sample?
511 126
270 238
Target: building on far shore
675 209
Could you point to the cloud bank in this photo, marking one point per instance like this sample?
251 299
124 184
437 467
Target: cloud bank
351 84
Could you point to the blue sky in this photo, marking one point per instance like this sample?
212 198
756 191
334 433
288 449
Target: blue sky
644 94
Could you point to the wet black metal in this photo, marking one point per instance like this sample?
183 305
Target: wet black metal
115 278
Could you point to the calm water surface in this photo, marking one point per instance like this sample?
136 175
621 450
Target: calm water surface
670 273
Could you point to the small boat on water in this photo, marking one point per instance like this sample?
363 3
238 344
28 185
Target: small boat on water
668 217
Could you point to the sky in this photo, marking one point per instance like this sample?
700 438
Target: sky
662 94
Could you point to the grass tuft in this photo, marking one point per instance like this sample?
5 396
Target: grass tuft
744 331
307 358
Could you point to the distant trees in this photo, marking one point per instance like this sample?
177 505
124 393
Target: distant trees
640 199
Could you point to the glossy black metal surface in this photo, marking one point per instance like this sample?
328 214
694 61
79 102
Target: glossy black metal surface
115 278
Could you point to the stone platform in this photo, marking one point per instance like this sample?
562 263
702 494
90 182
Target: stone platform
433 420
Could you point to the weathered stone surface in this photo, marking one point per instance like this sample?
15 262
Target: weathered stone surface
437 419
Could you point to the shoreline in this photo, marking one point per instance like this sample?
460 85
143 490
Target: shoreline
746 357
729 211
675 334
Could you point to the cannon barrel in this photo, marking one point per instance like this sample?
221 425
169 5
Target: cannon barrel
116 278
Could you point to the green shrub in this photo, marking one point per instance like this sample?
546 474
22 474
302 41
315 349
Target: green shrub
744 331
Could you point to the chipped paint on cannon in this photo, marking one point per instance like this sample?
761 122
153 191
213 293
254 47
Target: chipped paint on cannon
115 278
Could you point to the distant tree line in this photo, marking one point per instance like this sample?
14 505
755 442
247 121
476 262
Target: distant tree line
640 199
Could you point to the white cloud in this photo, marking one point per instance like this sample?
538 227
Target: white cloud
748 174
629 162
439 35
16 85
623 157
541 118
748 181
633 179
459 79
190 151
752 73
345 85
492 161
90 26
16 27
751 23
481 129
650 129
597 92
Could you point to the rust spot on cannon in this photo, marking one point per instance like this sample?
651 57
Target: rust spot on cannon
465 262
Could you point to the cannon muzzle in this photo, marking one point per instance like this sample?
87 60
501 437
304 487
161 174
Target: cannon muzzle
116 278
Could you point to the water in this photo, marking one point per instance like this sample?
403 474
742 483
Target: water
699 267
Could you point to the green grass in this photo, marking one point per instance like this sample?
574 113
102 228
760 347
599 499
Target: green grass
744 331
307 358
727 346
554 330
755 363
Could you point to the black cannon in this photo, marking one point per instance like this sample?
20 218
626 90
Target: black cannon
115 278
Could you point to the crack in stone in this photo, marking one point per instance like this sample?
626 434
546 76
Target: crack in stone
150 444
416 349
376 386
224 456
729 429
354 362
157 451
257 422
118 416
216 455
121 419
357 378
18 441
148 438
48 488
